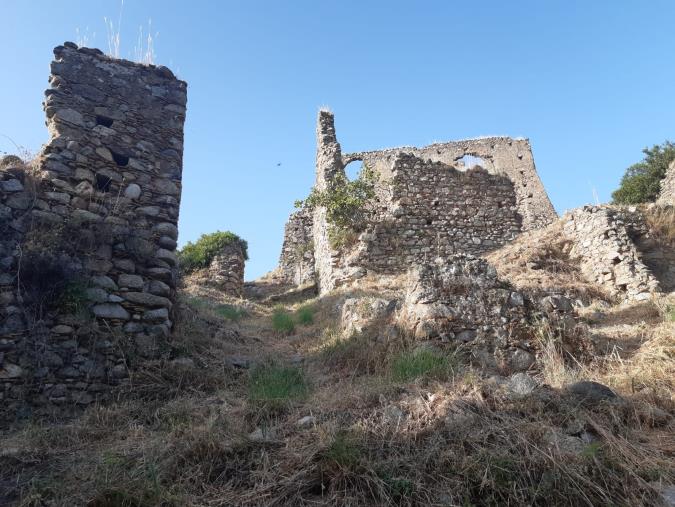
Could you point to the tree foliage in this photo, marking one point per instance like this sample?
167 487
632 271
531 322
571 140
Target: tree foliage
641 181
199 255
347 203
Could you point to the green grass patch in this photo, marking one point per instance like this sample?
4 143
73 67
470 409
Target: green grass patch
282 321
230 312
277 384
305 315
670 313
421 363
343 451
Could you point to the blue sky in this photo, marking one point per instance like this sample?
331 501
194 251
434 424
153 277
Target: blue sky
590 83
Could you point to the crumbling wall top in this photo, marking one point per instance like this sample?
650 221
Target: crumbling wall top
507 156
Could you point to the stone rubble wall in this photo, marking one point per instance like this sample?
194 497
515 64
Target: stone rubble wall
607 252
328 164
226 271
99 218
504 156
460 298
296 263
667 195
426 205
434 210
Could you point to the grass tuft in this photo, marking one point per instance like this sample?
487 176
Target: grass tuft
282 322
343 451
413 364
277 384
305 315
230 312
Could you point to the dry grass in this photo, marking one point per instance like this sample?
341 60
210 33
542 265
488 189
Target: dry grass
539 261
661 222
179 437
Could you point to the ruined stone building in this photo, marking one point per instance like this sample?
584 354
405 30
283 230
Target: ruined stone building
429 204
88 231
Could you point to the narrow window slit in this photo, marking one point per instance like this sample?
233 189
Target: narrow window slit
103 183
104 120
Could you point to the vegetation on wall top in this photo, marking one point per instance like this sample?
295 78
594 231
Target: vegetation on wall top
346 202
199 255
642 181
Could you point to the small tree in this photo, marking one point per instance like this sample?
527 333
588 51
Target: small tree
346 202
199 255
641 181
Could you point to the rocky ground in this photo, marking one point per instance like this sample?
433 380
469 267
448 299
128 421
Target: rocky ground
268 401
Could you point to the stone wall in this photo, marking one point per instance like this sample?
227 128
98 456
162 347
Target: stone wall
328 164
667 195
226 271
296 263
429 204
88 249
460 298
505 156
433 210
608 255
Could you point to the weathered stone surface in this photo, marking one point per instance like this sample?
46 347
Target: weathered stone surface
521 384
296 264
591 391
130 281
428 204
110 311
607 254
133 191
147 300
226 271
364 313
457 298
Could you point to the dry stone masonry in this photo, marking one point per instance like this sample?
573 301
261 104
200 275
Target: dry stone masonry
226 271
603 242
429 204
296 264
459 297
89 232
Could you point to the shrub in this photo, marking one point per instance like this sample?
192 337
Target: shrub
282 321
199 255
305 315
410 365
277 384
346 202
642 181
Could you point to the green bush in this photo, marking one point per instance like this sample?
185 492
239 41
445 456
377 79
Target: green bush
642 181
277 384
305 315
413 364
346 203
199 255
282 321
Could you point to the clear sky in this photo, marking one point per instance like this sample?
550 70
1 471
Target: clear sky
590 83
